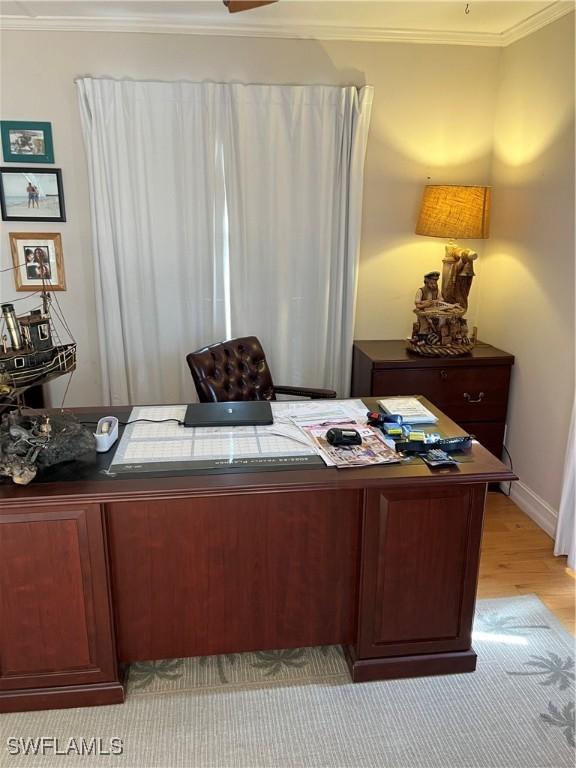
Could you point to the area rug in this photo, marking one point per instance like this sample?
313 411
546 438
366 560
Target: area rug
279 709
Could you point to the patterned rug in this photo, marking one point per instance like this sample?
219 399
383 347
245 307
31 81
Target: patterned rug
277 709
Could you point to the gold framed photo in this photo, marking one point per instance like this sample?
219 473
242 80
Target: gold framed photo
38 261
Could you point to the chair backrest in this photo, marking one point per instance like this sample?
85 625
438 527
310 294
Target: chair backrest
231 370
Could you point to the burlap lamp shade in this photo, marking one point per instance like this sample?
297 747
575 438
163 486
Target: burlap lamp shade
455 212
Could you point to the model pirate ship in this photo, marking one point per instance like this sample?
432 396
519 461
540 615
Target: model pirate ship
31 352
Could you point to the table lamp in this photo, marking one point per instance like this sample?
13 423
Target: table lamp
453 212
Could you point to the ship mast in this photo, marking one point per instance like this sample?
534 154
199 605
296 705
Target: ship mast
45 302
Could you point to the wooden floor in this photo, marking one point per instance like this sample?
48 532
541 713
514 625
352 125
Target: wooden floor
518 559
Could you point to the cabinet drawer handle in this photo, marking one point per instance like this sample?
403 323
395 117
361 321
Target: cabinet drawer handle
443 374
471 399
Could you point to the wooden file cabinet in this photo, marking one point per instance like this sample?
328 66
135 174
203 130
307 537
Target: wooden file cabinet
472 389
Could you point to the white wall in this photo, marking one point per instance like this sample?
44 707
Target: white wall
527 289
432 118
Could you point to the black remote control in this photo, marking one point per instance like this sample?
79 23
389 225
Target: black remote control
447 444
451 444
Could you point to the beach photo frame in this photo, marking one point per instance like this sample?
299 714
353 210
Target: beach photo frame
32 194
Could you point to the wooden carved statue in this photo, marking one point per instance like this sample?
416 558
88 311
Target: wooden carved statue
427 296
457 274
441 328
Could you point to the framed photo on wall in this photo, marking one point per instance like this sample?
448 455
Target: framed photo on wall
26 142
38 261
31 194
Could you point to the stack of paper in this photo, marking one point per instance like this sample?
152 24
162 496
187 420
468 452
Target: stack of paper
410 408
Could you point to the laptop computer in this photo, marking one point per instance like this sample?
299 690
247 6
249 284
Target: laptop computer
250 413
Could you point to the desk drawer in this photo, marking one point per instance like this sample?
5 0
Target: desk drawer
475 393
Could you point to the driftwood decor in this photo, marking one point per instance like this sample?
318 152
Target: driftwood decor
441 328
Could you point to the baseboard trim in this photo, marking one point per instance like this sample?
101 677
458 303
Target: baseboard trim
398 667
90 695
535 507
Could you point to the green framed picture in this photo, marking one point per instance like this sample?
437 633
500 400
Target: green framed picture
26 142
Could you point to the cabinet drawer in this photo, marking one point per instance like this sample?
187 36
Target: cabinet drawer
475 393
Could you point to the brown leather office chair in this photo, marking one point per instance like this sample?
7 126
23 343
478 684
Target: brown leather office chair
237 370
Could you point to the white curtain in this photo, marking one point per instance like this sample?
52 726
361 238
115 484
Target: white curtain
157 197
223 210
294 160
566 530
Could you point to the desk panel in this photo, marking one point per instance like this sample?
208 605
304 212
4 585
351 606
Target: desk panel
203 576
56 638
420 558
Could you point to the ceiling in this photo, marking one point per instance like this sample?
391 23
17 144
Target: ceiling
487 22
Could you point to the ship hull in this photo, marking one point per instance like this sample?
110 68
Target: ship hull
61 360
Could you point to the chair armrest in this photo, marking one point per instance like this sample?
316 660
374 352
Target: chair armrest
315 394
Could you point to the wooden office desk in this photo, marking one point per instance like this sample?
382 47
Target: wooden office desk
96 573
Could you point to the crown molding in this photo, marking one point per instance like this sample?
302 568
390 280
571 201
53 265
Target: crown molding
288 31
183 26
537 21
